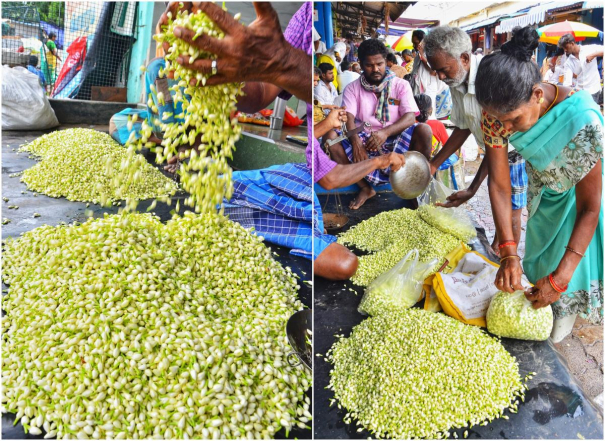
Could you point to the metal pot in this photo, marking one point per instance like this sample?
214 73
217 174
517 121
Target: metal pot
298 329
411 180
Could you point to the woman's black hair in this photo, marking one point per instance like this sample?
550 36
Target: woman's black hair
506 79
371 47
425 104
51 35
559 52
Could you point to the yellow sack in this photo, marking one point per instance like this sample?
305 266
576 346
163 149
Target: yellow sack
431 302
465 291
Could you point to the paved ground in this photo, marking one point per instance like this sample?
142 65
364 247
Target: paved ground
583 349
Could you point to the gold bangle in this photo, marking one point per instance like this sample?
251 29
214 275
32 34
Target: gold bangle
574 251
502 259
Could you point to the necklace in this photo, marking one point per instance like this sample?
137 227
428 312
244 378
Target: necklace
554 101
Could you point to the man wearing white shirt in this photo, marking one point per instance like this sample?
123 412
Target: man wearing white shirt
582 63
318 45
347 76
449 53
325 92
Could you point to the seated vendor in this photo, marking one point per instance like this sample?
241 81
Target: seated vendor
387 104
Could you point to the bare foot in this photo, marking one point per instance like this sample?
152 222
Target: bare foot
365 194
173 165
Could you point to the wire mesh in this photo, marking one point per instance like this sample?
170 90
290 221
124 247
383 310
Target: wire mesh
81 46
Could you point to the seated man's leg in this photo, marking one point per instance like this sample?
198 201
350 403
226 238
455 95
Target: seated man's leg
339 155
336 262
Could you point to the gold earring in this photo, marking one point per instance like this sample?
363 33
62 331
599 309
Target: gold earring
541 100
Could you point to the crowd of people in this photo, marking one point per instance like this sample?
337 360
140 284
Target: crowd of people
538 155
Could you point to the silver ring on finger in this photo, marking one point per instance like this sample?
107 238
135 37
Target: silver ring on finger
214 69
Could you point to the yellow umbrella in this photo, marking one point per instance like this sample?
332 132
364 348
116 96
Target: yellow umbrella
403 42
553 32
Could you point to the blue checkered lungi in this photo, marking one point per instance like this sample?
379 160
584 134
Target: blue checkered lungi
278 203
518 180
396 144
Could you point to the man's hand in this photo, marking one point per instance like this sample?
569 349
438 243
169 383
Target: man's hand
247 53
359 151
395 160
457 199
589 58
336 117
377 139
543 294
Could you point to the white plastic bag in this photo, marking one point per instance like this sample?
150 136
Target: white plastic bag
24 104
435 192
512 316
454 221
400 287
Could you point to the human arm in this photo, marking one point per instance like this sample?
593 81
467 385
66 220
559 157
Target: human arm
593 51
333 121
423 59
508 278
452 145
379 137
344 175
588 206
257 53
460 197
359 151
568 74
257 96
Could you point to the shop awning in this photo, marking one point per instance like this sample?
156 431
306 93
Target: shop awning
535 15
481 24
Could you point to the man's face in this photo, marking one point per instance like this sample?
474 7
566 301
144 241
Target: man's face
328 77
374 68
415 42
450 70
571 49
315 80
551 64
357 68
389 64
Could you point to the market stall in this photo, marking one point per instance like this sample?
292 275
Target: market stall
555 407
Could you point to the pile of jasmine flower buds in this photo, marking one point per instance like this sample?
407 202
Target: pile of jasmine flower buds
206 117
389 236
512 316
454 221
74 165
415 374
127 328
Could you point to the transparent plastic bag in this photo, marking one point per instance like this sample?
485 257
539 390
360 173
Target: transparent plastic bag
400 287
435 192
512 316
454 221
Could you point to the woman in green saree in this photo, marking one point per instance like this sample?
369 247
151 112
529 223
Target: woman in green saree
560 135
